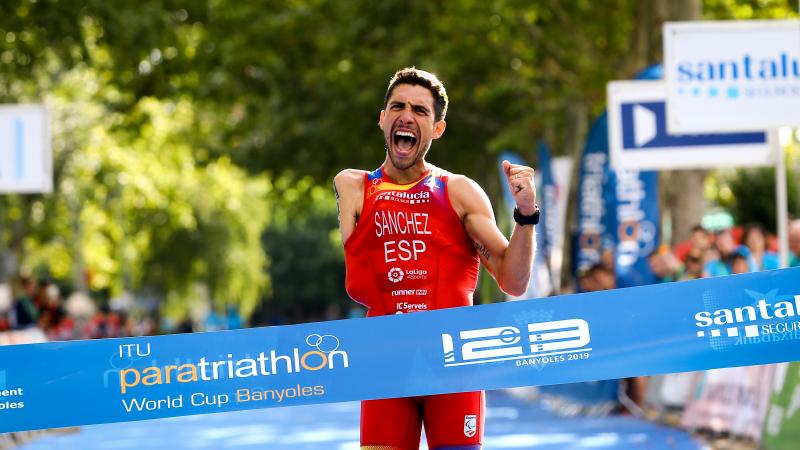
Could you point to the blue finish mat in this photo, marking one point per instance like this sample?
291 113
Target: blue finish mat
511 424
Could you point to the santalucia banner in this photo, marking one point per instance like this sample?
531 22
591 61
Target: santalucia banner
710 323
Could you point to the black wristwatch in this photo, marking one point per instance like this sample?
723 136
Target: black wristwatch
533 219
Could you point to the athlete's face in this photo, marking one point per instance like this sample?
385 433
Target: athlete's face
408 125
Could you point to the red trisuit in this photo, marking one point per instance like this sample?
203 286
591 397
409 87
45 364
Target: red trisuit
409 252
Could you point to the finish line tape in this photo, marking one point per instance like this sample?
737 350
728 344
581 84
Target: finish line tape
676 327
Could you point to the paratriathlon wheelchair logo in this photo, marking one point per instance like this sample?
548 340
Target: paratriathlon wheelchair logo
395 274
551 342
470 425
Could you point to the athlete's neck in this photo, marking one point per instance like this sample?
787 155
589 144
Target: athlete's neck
405 176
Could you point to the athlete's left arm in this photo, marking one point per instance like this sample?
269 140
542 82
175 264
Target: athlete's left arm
509 262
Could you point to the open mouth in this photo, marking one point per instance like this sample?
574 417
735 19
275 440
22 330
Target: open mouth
404 140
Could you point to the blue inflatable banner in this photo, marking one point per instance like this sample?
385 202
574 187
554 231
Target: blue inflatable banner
617 210
593 232
637 217
675 327
549 208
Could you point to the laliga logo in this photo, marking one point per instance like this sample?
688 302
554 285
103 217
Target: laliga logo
506 343
395 274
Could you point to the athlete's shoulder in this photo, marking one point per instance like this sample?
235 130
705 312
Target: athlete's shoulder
349 181
463 185
465 194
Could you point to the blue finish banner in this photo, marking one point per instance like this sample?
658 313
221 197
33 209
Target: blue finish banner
693 325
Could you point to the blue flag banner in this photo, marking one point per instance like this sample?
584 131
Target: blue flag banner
593 232
549 208
636 216
637 225
616 209
675 327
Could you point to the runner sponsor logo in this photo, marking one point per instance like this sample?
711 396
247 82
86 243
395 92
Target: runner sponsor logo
551 342
470 425
751 323
400 292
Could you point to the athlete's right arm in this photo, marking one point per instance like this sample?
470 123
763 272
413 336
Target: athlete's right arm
348 185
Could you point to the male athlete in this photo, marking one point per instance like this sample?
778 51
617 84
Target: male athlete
413 237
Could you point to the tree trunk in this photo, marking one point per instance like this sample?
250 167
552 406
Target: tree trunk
78 269
684 189
574 140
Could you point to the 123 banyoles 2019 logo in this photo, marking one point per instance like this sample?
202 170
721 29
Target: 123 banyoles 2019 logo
540 342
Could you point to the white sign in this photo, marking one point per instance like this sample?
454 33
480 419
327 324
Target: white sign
732 75
638 136
25 155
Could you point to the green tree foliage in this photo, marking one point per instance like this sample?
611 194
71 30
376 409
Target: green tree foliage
305 247
172 117
750 9
751 197
145 213
132 207
277 80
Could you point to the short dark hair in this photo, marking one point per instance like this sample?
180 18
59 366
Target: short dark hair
735 256
417 77
753 227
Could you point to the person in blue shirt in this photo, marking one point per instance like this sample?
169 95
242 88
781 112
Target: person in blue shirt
794 243
725 245
754 238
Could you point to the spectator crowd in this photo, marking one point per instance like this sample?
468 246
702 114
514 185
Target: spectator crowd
726 407
725 251
39 303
